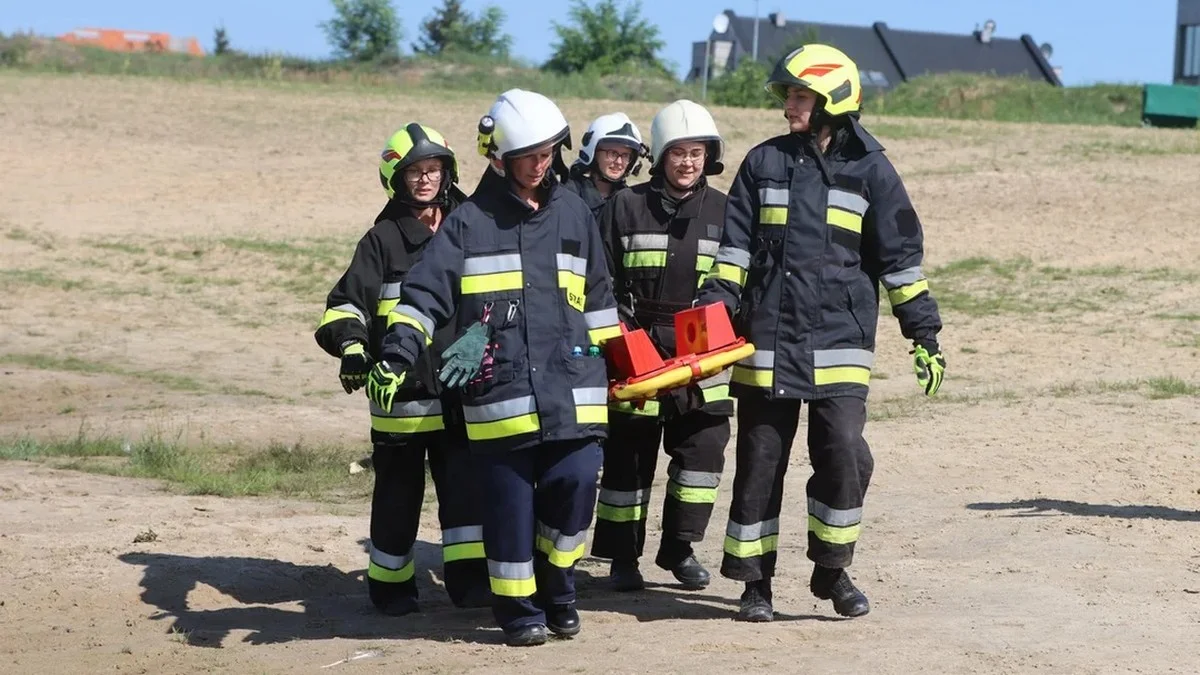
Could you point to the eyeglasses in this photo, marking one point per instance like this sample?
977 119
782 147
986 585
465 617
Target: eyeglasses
414 175
616 155
679 155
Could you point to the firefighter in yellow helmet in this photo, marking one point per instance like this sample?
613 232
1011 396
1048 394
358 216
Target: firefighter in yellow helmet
817 219
418 171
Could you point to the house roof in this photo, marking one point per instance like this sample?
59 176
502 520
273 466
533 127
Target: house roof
888 56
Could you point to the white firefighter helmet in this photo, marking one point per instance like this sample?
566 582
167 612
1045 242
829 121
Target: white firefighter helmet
612 128
520 121
681 121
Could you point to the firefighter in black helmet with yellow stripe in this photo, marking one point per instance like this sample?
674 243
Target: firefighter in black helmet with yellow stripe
817 219
419 172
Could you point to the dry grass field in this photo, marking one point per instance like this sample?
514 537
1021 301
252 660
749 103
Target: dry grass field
165 249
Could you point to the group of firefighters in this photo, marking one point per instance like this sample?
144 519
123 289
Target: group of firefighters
474 325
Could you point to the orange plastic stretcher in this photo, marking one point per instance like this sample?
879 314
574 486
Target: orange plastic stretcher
705 344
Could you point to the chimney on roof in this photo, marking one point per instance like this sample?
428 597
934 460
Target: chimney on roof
776 18
985 35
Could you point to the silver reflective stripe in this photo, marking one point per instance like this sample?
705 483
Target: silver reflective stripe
567 543
351 309
707 247
391 562
734 256
462 535
904 277
502 410
411 312
696 479
601 318
517 571
754 531
624 498
720 378
773 196
642 242
827 358
422 408
848 201
763 358
832 516
572 263
590 396
489 264
389 291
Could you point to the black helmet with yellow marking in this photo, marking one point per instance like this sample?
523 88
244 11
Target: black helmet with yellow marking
408 146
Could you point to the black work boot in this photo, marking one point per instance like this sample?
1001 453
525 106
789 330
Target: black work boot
691 574
624 575
756 602
526 636
475 597
832 583
399 606
563 620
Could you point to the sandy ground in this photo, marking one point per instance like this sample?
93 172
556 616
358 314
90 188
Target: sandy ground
1043 514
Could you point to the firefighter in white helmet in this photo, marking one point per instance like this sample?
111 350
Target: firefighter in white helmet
520 269
661 238
610 151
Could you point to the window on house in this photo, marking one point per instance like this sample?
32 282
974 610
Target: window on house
1191 51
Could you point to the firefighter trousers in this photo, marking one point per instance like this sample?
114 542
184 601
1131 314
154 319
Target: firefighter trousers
396 514
539 507
695 442
841 463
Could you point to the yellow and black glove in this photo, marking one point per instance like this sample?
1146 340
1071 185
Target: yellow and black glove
356 365
382 384
929 365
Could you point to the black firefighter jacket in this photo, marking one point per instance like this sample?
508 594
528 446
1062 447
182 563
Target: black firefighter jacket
659 251
357 309
801 259
540 277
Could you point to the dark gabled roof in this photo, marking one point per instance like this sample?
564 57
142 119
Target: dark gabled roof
886 56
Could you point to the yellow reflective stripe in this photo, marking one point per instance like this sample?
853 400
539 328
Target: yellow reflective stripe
394 318
626 408
513 588
691 495
901 295
598 335
490 283
471 550
833 535
513 426
391 576
717 393
591 414
644 259
750 549
704 263
844 219
574 286
772 215
407 425
841 375
559 558
620 514
729 273
752 377
386 306
332 315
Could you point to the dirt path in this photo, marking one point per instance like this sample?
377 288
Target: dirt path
165 277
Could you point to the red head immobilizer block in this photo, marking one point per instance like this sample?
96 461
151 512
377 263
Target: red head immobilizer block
703 329
631 354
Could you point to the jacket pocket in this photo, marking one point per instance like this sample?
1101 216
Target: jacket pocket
864 310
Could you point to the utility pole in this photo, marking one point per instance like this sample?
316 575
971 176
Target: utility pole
704 75
755 51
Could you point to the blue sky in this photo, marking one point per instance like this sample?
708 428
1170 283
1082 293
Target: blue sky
1133 46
